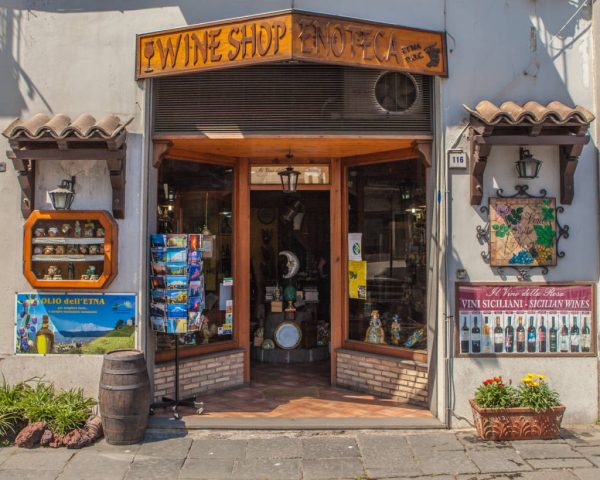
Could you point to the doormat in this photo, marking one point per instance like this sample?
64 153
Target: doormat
291 393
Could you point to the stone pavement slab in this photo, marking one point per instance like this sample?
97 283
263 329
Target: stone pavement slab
499 459
332 468
587 436
6 452
545 450
387 456
329 447
550 475
207 469
21 474
176 448
451 462
540 464
218 448
587 473
94 465
275 447
436 441
40 459
148 468
267 468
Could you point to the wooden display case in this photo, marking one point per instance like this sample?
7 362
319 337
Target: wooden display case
70 249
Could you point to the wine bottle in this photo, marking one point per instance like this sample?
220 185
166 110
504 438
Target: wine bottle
553 336
542 336
509 336
475 337
574 336
531 336
498 337
586 337
520 336
564 336
486 341
464 337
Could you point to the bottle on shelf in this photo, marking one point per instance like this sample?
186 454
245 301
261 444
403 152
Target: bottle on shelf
542 336
586 337
553 336
564 336
531 337
486 340
574 335
464 336
475 337
520 336
498 337
509 336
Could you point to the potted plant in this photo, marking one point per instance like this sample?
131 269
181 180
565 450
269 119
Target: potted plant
532 410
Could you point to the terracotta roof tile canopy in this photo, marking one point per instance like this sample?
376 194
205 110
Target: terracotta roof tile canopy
529 124
58 138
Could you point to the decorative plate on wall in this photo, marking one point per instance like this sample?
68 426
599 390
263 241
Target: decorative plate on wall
287 335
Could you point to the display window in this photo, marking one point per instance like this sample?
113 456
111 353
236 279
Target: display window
192 284
386 258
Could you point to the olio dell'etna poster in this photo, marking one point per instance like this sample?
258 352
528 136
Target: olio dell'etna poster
74 323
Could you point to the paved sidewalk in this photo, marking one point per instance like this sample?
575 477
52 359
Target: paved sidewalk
313 455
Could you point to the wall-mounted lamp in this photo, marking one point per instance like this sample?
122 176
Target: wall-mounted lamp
289 176
527 166
62 196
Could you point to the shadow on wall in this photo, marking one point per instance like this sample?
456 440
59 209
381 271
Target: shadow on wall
16 87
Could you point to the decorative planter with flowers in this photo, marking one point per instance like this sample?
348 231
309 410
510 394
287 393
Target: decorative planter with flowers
531 410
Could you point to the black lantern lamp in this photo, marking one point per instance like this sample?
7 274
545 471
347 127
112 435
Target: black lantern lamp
63 195
527 166
289 176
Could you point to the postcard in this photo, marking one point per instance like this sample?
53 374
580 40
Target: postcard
159 268
177 282
158 240
158 309
176 240
196 304
176 268
195 272
177 325
177 296
158 255
197 287
194 241
194 257
158 282
176 310
176 255
159 324
194 321
158 294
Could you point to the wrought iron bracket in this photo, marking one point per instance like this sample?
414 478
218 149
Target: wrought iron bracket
521 191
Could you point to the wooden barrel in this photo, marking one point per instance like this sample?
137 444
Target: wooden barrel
124 396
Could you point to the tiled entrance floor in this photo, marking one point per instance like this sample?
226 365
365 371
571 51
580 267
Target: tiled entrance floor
299 391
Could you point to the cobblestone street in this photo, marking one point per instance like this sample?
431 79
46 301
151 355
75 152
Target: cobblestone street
314 456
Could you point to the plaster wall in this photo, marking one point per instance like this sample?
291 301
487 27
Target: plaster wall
73 57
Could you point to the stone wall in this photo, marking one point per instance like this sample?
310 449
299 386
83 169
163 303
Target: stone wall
389 377
216 371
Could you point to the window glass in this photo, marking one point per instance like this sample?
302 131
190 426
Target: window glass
309 174
197 198
387 255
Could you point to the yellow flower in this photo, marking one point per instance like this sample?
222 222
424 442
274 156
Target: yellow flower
535 384
526 380
530 375
541 377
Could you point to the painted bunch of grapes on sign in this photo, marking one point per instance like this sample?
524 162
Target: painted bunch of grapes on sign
522 232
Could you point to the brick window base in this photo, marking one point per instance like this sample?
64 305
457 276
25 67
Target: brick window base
210 372
388 377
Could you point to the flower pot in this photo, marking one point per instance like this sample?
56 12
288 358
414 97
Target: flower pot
517 423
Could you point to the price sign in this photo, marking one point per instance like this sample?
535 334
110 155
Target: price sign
457 159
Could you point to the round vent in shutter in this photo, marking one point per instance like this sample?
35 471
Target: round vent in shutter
396 92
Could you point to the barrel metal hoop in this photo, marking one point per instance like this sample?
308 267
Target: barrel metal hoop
123 387
123 417
129 371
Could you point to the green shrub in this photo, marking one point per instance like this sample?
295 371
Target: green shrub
535 393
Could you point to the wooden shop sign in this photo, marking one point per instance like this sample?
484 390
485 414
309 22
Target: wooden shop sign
286 37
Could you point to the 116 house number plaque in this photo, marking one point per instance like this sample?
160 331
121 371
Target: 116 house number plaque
525 320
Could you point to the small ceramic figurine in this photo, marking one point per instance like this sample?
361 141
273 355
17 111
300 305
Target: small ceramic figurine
88 230
72 250
205 332
91 270
414 338
59 250
70 271
53 270
93 249
39 232
77 229
268 344
277 293
65 229
38 250
48 250
83 249
375 333
395 330
53 232
322 333
259 336
100 232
